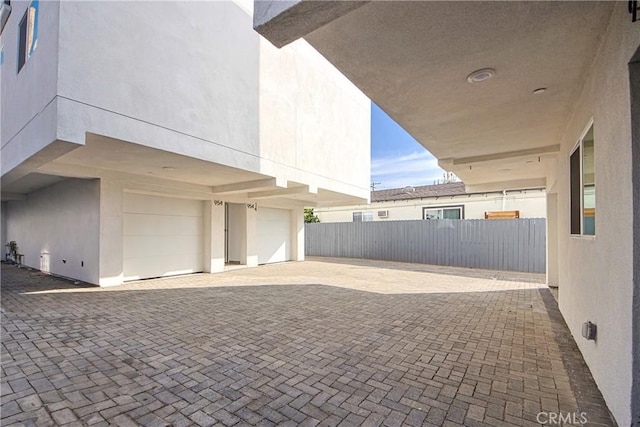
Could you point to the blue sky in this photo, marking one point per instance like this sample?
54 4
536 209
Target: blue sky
397 159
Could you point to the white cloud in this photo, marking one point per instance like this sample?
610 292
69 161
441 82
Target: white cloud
416 168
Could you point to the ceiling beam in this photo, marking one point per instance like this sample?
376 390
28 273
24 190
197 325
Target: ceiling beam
287 203
78 171
519 184
242 187
503 157
283 192
163 190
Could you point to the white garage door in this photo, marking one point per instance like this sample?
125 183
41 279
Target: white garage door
274 235
162 236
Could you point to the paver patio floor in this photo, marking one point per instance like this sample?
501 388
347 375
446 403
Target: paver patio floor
323 342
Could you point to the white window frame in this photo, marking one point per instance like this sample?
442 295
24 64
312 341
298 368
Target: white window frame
460 208
365 216
579 146
30 22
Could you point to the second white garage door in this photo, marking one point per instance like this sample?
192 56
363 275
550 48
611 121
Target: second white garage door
162 236
274 235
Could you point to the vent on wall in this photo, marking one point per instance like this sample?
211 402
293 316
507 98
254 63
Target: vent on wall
383 214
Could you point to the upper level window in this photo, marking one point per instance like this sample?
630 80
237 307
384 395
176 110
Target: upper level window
445 212
28 34
583 185
22 41
5 11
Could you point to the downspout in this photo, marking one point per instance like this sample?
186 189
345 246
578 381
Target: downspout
504 200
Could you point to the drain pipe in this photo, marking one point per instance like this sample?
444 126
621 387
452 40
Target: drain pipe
504 200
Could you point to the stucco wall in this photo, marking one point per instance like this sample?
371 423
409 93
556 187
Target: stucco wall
57 223
190 68
196 79
312 118
28 97
236 231
552 239
530 203
111 232
595 274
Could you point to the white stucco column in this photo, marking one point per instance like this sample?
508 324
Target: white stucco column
214 236
3 231
552 239
297 234
250 238
111 233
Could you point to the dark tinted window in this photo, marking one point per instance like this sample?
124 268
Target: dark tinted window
575 191
22 42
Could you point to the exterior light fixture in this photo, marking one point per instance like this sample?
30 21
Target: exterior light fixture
540 90
482 75
167 168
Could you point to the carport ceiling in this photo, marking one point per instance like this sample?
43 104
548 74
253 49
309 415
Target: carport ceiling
101 154
153 171
413 58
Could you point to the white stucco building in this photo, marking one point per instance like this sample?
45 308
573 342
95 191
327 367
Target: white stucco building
143 139
449 200
515 95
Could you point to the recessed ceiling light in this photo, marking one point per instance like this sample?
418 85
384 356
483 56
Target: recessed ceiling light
540 90
481 75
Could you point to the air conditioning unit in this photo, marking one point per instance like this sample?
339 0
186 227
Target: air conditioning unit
383 214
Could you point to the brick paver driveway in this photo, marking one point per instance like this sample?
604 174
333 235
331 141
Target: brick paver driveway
330 343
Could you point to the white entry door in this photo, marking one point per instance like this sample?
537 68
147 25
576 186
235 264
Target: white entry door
162 236
274 235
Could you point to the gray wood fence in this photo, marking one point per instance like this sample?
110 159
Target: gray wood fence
497 244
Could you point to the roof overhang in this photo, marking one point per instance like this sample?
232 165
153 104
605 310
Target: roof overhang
153 171
412 58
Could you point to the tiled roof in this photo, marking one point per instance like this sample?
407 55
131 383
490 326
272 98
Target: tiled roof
406 193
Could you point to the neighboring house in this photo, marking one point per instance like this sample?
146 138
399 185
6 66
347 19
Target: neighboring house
144 139
449 200
518 95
